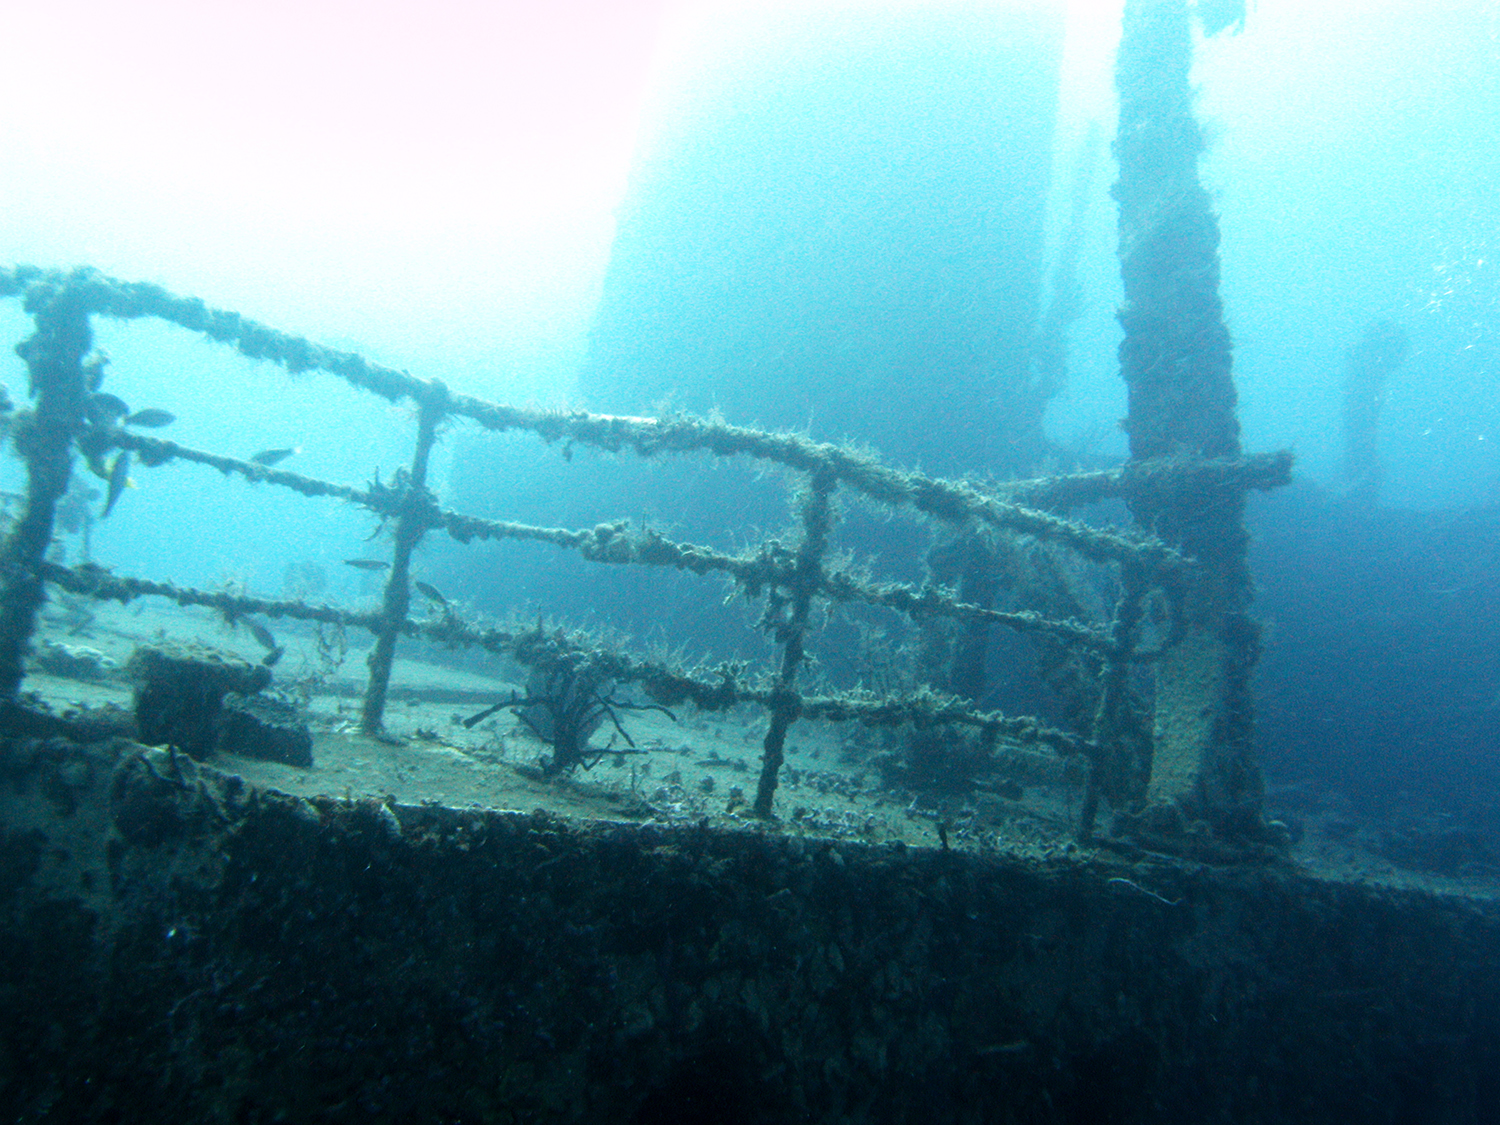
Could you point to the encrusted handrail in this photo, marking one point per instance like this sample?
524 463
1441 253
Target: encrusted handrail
788 578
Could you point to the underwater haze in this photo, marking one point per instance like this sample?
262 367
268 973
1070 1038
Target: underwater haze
883 222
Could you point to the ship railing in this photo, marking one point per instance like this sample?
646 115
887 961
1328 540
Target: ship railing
790 579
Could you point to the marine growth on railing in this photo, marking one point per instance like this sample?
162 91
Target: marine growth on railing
73 416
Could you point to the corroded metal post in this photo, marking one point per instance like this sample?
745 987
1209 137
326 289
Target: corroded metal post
44 438
411 524
1176 362
807 570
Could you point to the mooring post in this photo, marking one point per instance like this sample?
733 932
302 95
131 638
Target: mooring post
1176 362
412 522
807 571
44 438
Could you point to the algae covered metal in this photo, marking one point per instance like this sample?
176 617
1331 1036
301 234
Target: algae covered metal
1177 364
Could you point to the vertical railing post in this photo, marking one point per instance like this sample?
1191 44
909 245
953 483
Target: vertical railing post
1122 769
412 523
44 438
807 571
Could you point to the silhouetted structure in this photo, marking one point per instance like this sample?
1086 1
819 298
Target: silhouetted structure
845 234
1380 351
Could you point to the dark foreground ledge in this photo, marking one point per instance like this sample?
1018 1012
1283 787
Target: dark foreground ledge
174 946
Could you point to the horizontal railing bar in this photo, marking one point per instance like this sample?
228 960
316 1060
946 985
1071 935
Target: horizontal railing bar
931 601
97 582
156 451
950 501
531 644
132 300
670 687
613 543
931 709
1258 471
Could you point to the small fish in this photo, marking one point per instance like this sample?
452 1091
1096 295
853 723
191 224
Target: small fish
367 564
1216 15
151 419
270 658
431 592
269 457
104 408
118 476
474 720
93 369
262 635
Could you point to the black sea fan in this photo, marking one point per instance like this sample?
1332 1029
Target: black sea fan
565 704
567 700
